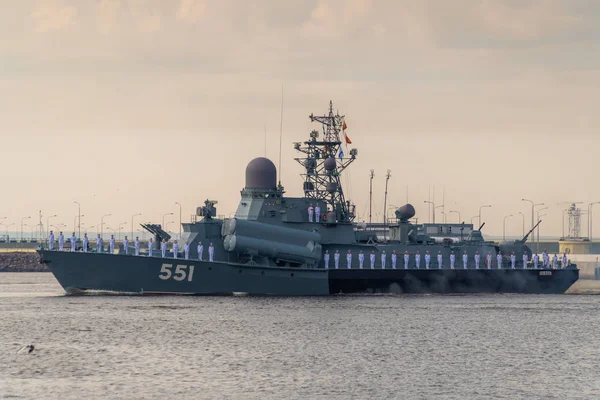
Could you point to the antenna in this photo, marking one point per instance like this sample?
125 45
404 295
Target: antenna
371 195
280 134
387 178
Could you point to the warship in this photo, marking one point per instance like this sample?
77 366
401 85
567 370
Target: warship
284 246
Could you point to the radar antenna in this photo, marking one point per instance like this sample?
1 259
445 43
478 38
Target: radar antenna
324 162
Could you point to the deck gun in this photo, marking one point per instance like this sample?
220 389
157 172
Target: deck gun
157 231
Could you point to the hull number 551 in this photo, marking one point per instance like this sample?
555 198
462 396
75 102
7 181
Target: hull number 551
180 273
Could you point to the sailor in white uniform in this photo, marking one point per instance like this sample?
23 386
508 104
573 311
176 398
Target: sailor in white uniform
427 259
536 260
73 242
545 259
361 259
175 249
51 241
525 260
477 259
383 258
465 259
394 258
318 213
336 259
488 260
311 211
513 260
349 259
406 259
326 259
99 244
452 259
564 261
499 260
61 241
126 246
186 250
200 251
555 261
418 259
440 260
111 244
372 259
85 242
211 252
150 248
163 248
137 245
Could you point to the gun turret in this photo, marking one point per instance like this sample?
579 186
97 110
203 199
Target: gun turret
157 231
208 210
529 233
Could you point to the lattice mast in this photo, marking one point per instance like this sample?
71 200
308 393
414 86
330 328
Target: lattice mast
324 162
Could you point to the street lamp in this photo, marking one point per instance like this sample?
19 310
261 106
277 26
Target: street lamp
523 215
167 226
432 205
79 214
77 217
22 219
48 223
179 204
93 226
456 213
102 225
434 208
504 227
485 206
590 219
134 215
163 218
444 214
8 226
538 228
120 227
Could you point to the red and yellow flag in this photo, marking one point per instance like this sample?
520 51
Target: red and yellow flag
348 141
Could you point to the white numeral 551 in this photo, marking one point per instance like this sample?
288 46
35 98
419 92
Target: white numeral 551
179 274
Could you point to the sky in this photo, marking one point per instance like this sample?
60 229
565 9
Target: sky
130 106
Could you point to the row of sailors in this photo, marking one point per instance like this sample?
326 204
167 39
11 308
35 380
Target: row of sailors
440 260
136 246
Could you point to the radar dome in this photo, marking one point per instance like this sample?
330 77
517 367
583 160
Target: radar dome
261 174
329 164
405 212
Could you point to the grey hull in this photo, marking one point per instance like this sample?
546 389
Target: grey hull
130 274
154 275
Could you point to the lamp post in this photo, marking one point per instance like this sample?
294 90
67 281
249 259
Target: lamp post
504 227
79 219
102 225
538 228
120 227
133 216
179 204
449 212
8 226
22 219
590 219
433 207
167 226
444 214
163 218
485 206
93 226
523 215
48 223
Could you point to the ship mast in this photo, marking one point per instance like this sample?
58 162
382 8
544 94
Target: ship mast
324 161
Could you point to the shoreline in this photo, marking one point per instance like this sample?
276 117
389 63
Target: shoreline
21 261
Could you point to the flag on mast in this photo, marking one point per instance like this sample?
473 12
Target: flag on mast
344 127
341 153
